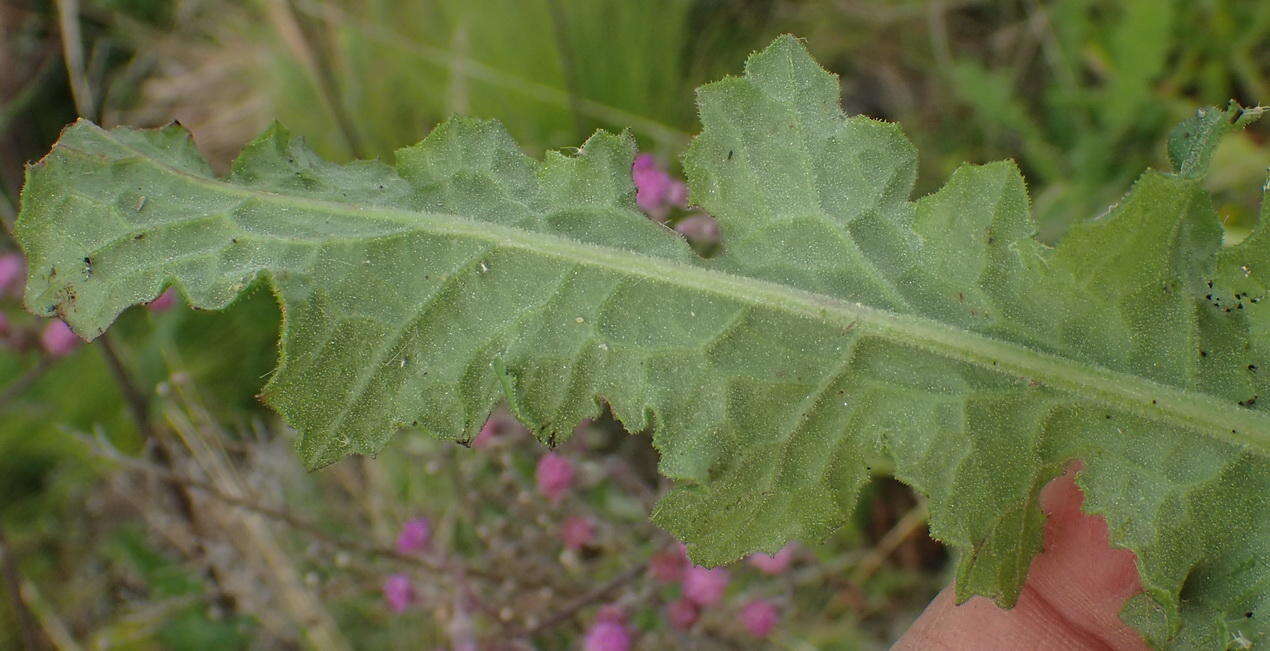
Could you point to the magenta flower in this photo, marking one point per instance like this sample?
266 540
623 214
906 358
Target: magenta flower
682 613
415 535
655 190
668 565
699 229
651 183
677 193
773 563
398 592
164 302
57 339
607 634
12 268
759 617
499 424
554 475
486 436
705 586
577 532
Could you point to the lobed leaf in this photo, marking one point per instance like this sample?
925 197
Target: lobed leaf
843 324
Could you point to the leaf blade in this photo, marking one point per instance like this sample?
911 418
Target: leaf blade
842 321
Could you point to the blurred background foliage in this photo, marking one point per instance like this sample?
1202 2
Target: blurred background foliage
157 506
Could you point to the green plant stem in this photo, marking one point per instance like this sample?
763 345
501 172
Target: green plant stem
73 54
323 71
560 27
13 585
21 101
137 403
15 388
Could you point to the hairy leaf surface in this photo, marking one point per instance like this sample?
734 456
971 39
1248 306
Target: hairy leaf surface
842 326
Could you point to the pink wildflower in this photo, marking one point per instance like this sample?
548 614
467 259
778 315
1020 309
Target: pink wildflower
57 338
164 302
682 613
759 617
668 565
607 634
699 229
398 592
577 532
554 475
705 586
655 190
773 563
499 424
415 535
677 193
486 436
12 268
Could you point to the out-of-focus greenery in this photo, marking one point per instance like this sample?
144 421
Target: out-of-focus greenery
1080 92
361 79
1110 81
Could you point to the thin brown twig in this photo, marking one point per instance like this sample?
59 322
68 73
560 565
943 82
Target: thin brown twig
912 522
630 574
279 515
139 407
251 533
137 402
55 630
13 584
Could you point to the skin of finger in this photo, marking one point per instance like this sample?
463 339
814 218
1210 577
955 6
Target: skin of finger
1071 600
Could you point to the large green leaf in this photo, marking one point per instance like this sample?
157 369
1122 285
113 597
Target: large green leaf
842 323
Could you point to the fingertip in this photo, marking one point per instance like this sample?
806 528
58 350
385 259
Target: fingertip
1072 598
1061 497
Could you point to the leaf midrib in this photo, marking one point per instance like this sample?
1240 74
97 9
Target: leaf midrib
1218 419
